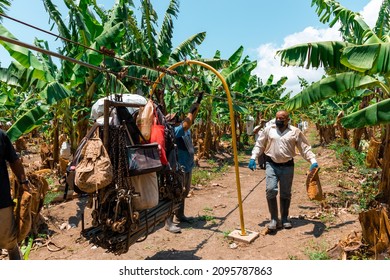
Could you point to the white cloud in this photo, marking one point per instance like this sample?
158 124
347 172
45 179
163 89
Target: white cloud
269 64
311 34
370 12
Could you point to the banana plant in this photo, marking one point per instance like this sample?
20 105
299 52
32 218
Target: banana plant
35 82
351 60
267 97
4 5
89 31
137 45
145 44
360 61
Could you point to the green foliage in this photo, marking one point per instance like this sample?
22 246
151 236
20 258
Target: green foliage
226 137
312 137
327 217
49 197
226 233
348 155
372 115
360 61
245 138
360 197
200 176
301 166
324 89
26 248
208 217
361 194
316 251
292 257
4 6
368 188
360 256
50 180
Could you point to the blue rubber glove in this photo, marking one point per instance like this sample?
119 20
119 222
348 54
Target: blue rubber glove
314 165
252 164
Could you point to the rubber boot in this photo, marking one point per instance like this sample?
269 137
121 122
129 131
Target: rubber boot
284 207
273 210
170 226
180 214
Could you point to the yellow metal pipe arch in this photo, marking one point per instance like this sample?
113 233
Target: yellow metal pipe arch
234 142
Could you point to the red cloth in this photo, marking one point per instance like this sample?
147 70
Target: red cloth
157 135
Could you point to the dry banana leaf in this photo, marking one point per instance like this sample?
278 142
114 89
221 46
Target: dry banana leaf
376 229
313 185
372 160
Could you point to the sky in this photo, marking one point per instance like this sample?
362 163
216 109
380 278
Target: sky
261 27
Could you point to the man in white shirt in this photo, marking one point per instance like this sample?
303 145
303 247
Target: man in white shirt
278 142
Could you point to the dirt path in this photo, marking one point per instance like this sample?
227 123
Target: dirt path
315 228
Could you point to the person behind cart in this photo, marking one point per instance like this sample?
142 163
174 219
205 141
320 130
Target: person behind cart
186 153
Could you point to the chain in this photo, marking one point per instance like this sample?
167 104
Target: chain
114 132
118 155
119 225
122 167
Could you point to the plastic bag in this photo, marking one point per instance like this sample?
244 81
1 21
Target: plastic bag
145 119
65 151
146 187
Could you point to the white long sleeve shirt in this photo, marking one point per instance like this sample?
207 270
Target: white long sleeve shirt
280 147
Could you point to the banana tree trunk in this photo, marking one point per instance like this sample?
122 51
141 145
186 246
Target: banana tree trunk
357 137
83 119
372 157
375 229
358 133
239 131
343 132
327 133
384 186
200 131
208 135
82 126
56 146
216 137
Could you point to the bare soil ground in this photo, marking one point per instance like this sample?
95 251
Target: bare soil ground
317 227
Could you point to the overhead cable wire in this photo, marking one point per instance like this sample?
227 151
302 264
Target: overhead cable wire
91 66
60 56
105 52
73 42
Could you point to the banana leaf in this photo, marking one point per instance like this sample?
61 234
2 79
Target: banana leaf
314 55
110 35
54 92
24 56
374 58
328 87
30 120
378 113
186 47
